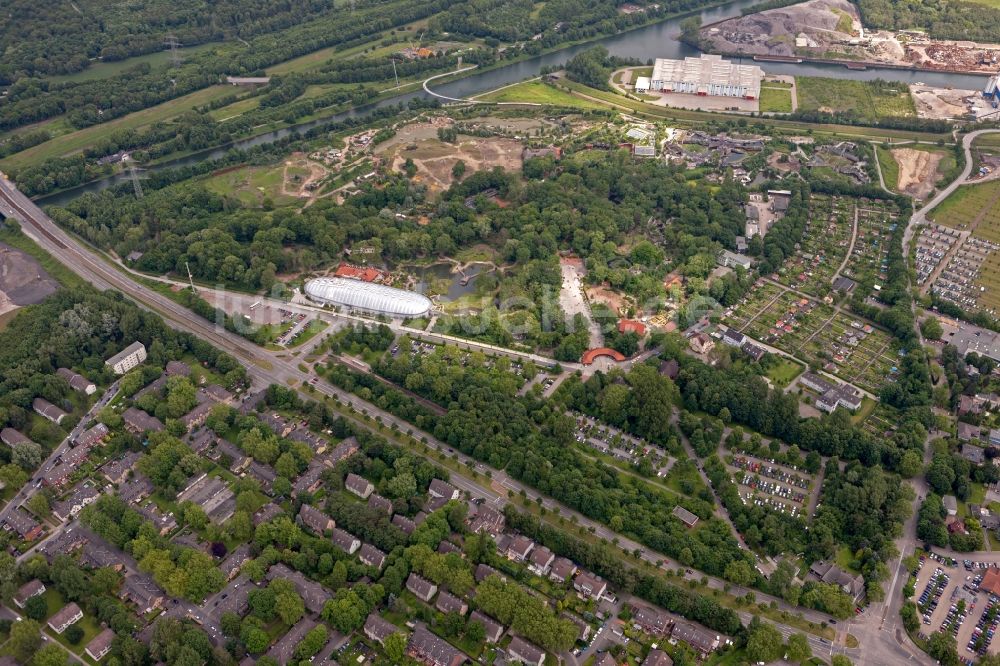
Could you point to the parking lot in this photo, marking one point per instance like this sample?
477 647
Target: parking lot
767 483
949 599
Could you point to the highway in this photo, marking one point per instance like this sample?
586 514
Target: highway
266 368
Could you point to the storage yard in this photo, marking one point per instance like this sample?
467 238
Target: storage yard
832 30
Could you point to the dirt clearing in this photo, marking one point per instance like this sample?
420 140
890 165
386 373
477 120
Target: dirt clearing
918 171
23 281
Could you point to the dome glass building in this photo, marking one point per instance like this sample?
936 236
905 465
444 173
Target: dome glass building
368 297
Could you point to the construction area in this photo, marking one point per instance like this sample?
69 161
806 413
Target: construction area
950 103
831 30
435 159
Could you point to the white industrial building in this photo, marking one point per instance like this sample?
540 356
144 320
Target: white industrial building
355 295
707 75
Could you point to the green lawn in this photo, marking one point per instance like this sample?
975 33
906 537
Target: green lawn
77 140
537 92
784 372
867 98
775 100
966 203
889 166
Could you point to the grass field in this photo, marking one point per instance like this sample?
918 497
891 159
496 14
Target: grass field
235 109
775 100
863 97
890 168
104 70
967 203
251 185
536 92
80 139
784 372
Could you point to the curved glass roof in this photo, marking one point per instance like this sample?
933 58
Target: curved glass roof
368 296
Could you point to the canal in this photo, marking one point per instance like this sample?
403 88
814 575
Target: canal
654 41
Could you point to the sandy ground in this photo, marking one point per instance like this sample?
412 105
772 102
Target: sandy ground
918 171
23 281
571 298
818 29
434 159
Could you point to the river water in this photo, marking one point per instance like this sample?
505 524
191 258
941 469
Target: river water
653 41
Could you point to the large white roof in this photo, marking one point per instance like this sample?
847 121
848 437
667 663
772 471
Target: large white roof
367 296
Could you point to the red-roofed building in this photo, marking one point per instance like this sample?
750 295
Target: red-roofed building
632 326
591 355
363 273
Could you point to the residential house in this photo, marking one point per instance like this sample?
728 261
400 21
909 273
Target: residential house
484 571
733 338
378 629
433 651
562 570
66 616
63 543
698 637
483 518
358 485
701 343
519 548
442 489
730 259
658 657
77 381
493 629
136 490
379 503
117 470
283 651
844 395
405 524
540 560
72 505
98 554
523 651
449 603
213 495
651 620
346 541
12 437
138 422
589 586
313 594
967 432
26 527
100 646
421 588
164 523
828 572
266 514
315 520
605 659
371 556
974 454
48 410
127 358
310 480
263 474
224 451
197 416
995 437
142 591
583 628
235 560
201 439
30 589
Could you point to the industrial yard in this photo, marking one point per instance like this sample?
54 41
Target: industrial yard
832 30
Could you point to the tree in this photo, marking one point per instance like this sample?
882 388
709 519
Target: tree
50 655
26 454
931 328
36 608
941 646
798 648
230 624
256 640
25 637
840 660
458 170
74 634
763 642
312 643
395 647
289 607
